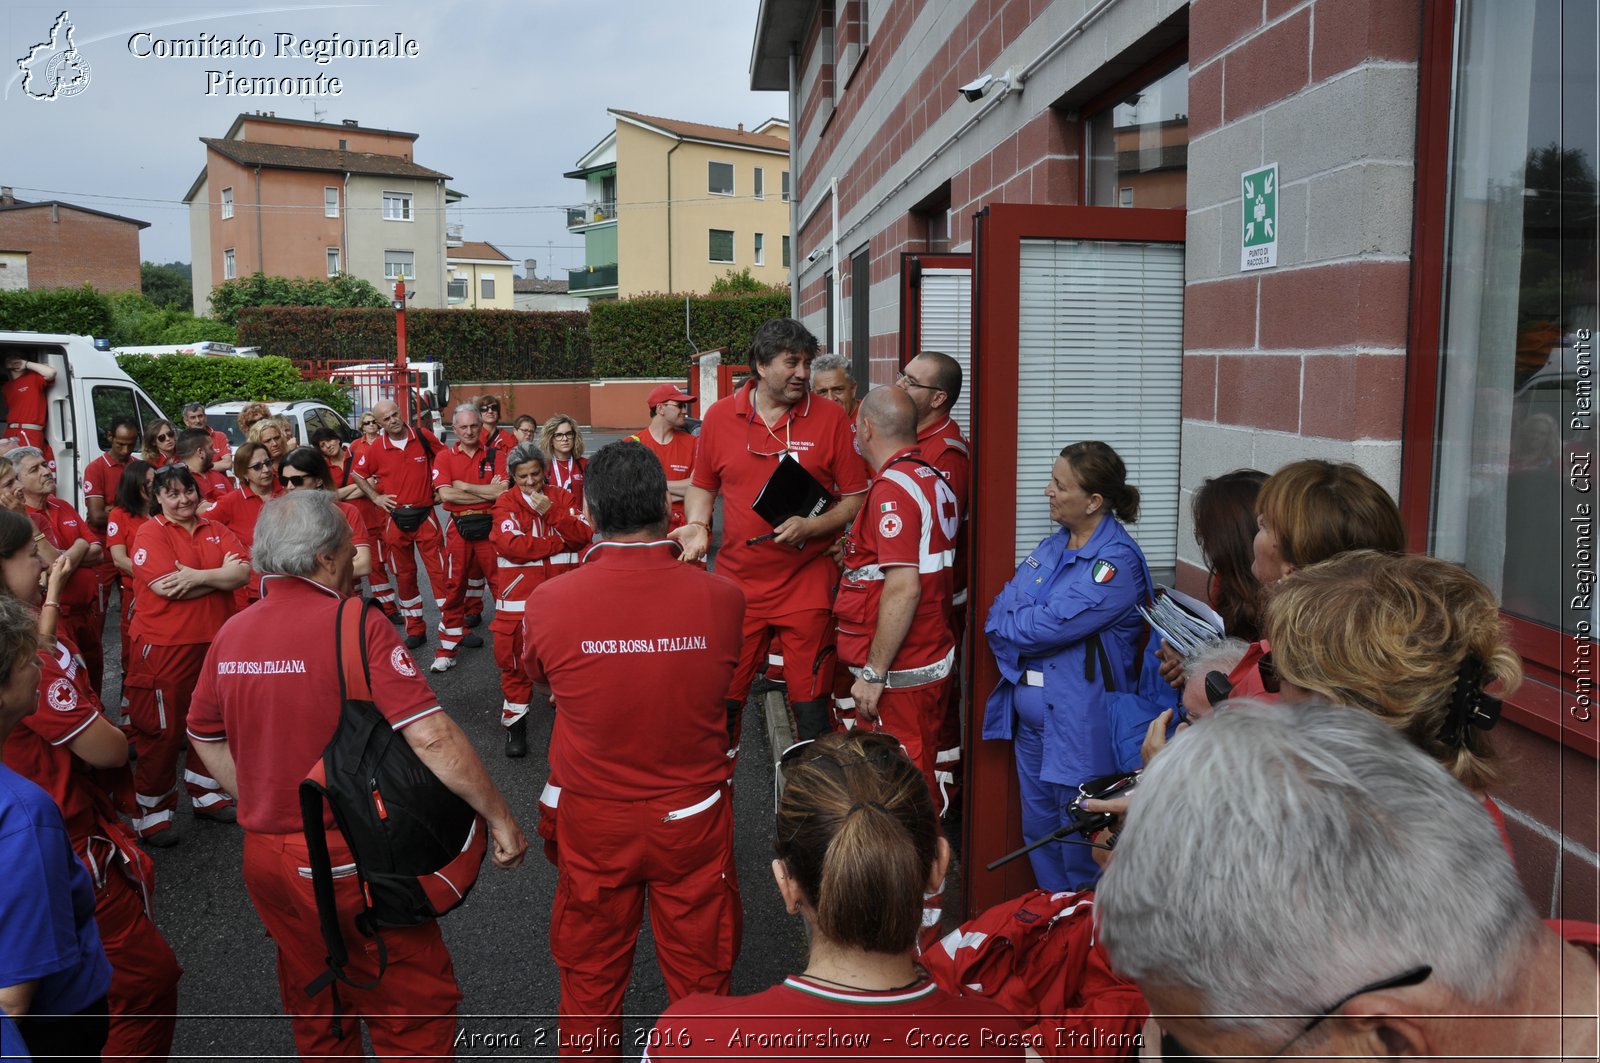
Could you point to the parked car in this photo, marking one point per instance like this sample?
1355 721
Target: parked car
89 392
304 415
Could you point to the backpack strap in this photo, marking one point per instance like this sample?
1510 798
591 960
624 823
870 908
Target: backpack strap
355 682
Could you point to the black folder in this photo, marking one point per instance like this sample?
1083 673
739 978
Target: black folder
790 491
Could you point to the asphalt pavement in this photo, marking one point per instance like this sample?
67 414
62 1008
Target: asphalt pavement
499 938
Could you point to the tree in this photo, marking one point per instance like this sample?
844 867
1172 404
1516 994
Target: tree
167 285
258 289
740 282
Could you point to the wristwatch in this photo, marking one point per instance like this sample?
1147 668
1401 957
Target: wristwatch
868 675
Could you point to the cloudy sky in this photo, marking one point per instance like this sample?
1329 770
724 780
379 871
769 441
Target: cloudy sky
504 95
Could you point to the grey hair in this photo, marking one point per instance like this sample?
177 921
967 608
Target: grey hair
294 530
17 454
1221 656
461 408
827 363
525 452
1316 850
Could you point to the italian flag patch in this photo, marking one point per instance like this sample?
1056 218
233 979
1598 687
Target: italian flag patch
1103 572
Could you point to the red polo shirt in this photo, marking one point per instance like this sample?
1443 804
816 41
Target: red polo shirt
62 527
910 520
219 447
567 474
502 441
102 478
158 547
27 398
639 649
213 485
38 748
737 455
359 536
121 527
477 468
239 508
402 469
945 448
270 687
676 456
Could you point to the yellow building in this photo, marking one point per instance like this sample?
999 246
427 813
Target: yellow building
478 276
670 206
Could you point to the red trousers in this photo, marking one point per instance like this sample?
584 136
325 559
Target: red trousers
913 716
515 683
158 683
612 856
412 1010
427 540
465 561
807 653
144 973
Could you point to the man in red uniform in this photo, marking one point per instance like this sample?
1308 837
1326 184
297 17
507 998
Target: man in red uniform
65 531
893 603
830 378
401 461
494 437
27 394
666 439
265 707
467 477
194 416
787 579
933 380
638 650
100 482
195 450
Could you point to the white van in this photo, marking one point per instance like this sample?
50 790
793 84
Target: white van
204 348
90 391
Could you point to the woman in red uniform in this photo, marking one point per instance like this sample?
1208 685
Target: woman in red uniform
538 529
135 502
257 473
186 568
561 439
857 844
160 443
80 758
304 469
27 393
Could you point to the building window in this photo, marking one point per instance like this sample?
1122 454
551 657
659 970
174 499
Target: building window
330 202
719 181
786 186
1139 146
397 206
1512 487
400 263
227 203
486 287
785 252
456 290
333 261
722 245
760 250
344 145
230 265
758 189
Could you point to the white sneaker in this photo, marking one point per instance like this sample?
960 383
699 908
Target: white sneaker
442 664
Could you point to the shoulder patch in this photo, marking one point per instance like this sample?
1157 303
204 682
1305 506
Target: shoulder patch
1103 571
1032 561
139 555
889 526
61 696
401 662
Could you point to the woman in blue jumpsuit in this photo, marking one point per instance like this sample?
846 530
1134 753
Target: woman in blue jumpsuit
1083 581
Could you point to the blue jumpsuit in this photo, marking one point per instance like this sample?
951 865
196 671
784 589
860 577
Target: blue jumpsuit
1060 731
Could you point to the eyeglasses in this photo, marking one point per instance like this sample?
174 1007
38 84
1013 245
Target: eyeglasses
904 380
684 406
563 435
258 466
292 481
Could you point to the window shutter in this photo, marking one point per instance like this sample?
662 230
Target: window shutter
1101 357
947 327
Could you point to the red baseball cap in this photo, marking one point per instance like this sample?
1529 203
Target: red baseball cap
666 393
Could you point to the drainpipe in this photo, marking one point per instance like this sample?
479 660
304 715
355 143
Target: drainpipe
261 247
794 179
344 227
838 280
670 150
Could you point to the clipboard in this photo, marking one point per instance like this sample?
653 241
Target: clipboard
790 491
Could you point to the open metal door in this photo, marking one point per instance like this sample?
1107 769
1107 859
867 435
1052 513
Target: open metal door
936 315
1078 318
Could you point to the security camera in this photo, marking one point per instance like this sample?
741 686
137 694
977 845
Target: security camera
972 91
812 257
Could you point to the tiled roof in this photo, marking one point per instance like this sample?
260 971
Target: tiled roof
478 249
289 157
17 204
700 131
538 286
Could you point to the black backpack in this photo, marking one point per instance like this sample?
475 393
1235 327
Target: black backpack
417 846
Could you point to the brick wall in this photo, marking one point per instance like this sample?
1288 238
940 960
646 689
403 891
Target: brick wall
72 247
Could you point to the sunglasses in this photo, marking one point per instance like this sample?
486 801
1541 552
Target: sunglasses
258 466
293 481
161 436
169 472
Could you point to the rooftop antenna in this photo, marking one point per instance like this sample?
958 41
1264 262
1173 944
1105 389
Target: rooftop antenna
317 112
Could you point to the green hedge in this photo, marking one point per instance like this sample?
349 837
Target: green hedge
173 380
75 311
644 336
472 344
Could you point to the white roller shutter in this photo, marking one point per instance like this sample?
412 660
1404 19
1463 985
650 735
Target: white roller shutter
1101 357
947 326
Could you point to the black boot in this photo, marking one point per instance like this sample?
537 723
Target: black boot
517 739
810 719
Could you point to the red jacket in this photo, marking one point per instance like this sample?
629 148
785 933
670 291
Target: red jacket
533 547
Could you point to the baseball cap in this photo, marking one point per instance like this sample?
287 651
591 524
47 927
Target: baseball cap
666 393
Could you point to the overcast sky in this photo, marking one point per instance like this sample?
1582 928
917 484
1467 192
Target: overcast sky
504 95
